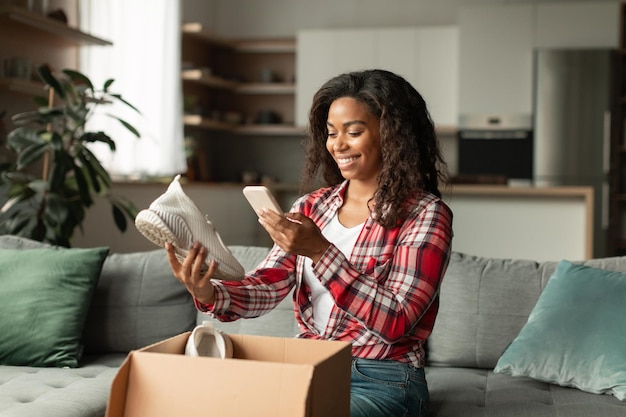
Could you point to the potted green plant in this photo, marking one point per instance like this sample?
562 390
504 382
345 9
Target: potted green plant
55 177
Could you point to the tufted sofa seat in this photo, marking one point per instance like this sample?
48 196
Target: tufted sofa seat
28 391
469 392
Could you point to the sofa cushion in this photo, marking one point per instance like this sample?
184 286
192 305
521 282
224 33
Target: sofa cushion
46 293
575 335
137 302
485 302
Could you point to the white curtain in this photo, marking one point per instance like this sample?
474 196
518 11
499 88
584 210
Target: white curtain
144 61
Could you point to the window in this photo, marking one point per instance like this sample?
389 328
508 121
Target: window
144 61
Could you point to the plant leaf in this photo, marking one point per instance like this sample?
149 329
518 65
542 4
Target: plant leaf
40 101
57 209
15 225
61 165
42 116
46 75
10 203
120 219
93 175
95 163
78 78
98 137
21 138
38 186
83 187
31 154
119 97
126 125
107 84
126 205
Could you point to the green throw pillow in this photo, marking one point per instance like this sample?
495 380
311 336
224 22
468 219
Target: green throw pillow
576 334
44 298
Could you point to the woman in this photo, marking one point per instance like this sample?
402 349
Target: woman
366 252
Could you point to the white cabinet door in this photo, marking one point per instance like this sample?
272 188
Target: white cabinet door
579 25
323 54
496 58
314 65
426 57
398 51
438 73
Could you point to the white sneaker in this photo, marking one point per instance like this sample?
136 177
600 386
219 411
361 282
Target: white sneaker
206 340
174 218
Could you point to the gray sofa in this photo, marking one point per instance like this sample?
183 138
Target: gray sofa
484 304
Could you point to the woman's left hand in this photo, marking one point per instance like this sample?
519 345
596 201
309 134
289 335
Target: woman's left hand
294 233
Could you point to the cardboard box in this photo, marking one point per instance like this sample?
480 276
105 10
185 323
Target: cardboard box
267 376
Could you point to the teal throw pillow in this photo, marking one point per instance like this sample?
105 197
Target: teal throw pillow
44 298
576 334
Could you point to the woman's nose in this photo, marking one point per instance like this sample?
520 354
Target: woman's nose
339 142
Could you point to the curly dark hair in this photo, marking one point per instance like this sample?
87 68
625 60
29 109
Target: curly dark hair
412 158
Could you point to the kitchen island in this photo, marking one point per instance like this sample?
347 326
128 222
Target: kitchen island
539 223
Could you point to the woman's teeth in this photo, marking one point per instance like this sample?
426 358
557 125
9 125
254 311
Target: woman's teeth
343 161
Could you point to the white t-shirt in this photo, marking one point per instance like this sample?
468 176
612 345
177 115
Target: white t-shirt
344 239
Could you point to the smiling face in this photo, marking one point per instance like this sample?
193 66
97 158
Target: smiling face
354 140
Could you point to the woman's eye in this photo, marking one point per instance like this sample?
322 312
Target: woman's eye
355 134
332 134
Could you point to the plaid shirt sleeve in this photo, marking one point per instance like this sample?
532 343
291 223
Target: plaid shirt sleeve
258 293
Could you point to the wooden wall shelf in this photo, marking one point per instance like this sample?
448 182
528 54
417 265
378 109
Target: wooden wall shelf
18 85
45 24
199 122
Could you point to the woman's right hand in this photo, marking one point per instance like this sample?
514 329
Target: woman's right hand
189 272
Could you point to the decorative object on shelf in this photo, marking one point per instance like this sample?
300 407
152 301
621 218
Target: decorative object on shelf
59 15
38 6
55 177
267 75
17 67
268 117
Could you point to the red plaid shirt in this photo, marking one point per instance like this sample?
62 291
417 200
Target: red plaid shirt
386 293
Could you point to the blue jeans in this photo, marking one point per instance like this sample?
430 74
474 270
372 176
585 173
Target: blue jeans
387 389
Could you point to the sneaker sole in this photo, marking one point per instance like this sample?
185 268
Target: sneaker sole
152 226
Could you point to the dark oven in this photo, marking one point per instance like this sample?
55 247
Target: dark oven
498 146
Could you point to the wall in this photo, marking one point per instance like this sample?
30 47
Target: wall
254 18
276 18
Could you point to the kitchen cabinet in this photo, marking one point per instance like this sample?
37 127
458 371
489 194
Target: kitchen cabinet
498 43
496 57
577 25
425 56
